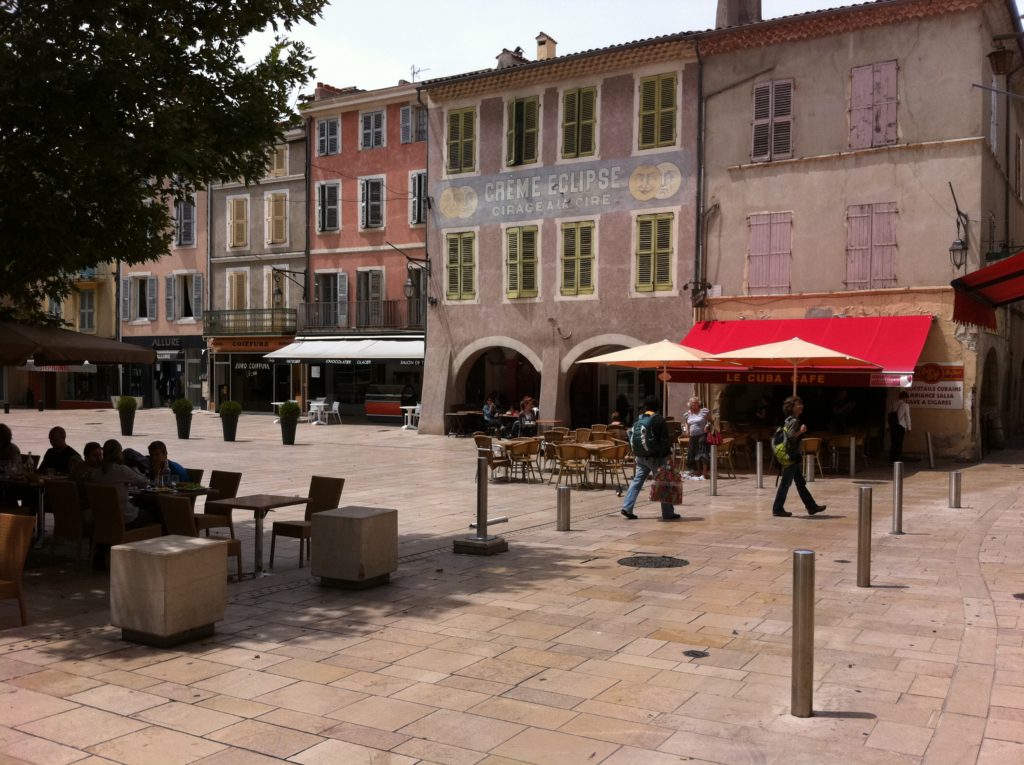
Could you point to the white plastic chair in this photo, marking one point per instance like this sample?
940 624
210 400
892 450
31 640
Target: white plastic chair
333 412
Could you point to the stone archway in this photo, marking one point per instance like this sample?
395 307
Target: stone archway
990 408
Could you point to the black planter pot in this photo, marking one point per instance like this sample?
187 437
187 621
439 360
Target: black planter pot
184 422
288 432
229 422
127 417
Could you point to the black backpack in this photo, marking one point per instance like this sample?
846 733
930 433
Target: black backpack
641 437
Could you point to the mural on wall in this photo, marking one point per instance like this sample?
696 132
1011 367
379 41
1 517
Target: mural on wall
595 187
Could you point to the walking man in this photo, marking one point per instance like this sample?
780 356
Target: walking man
787 453
651 449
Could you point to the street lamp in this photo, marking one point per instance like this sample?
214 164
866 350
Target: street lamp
958 249
409 288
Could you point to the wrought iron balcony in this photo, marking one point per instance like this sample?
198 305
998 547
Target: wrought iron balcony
362 316
249 321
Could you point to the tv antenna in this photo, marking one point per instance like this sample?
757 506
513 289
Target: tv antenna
414 71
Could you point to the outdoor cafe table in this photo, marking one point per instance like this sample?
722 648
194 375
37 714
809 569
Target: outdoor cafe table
260 504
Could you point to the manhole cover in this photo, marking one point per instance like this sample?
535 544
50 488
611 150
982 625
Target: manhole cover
696 654
1019 595
653 561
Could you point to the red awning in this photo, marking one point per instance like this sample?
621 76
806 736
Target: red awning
894 343
979 293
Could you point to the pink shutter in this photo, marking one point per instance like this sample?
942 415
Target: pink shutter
884 85
861 111
781 252
758 253
858 246
883 245
782 119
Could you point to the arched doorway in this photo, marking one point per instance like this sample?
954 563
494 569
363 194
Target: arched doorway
503 373
598 390
990 413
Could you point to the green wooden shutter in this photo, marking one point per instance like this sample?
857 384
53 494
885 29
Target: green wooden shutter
454 266
468 269
528 262
468 139
585 238
570 123
648 112
645 253
454 141
587 120
569 256
512 251
667 110
531 129
663 253
510 133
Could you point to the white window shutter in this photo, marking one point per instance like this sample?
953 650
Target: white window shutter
169 296
364 200
151 297
342 299
197 295
126 299
406 120
367 139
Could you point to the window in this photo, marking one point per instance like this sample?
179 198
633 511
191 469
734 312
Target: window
461 140
579 118
654 252
521 262
279 162
87 311
873 105
522 131
138 298
370 298
773 121
238 290
769 252
871 246
460 265
373 129
413 119
371 202
185 222
328 211
418 198
238 222
657 111
328 137
276 226
578 258
183 296
332 296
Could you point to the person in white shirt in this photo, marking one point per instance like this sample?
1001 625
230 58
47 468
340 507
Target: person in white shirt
899 426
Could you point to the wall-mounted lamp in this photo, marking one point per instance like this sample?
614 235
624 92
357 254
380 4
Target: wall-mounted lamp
1001 59
278 293
958 249
409 287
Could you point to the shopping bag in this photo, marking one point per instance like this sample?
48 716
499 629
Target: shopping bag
714 436
667 486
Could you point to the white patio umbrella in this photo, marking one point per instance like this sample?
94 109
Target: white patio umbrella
795 352
663 355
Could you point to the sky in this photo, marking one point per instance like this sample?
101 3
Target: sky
375 44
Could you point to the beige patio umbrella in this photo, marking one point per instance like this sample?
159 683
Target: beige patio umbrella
797 352
663 355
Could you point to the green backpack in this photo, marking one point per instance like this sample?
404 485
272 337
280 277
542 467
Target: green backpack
780 446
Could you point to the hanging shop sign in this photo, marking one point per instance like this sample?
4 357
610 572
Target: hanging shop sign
937 386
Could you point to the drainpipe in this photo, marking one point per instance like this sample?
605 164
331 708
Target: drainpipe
698 238
214 388
117 322
307 257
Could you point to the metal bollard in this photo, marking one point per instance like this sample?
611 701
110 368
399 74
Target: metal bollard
931 451
897 498
864 538
802 672
759 456
481 496
809 468
853 456
714 471
563 514
954 489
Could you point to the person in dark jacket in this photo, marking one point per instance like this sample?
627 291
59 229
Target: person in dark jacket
658 454
793 407
60 457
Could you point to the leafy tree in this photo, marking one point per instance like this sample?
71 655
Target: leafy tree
110 110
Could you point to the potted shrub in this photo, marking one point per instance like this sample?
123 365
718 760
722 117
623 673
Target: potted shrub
229 411
126 406
182 409
289 414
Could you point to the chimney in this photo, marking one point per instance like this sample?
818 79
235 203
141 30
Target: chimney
545 47
734 13
509 58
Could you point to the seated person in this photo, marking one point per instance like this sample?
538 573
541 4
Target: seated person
161 467
616 421
9 451
113 472
526 425
59 457
490 411
82 472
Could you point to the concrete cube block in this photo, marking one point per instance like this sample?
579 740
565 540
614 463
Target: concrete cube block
167 590
355 547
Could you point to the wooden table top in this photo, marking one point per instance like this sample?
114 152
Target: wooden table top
258 501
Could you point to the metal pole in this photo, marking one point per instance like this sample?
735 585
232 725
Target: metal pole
759 456
563 514
481 496
853 456
809 468
714 470
897 498
802 672
931 450
954 488
864 538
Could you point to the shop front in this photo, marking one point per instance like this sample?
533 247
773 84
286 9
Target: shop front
180 370
242 373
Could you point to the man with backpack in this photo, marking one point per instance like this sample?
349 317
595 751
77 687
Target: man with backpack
786 448
651 447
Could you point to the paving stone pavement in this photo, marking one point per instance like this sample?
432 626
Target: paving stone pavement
552 652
